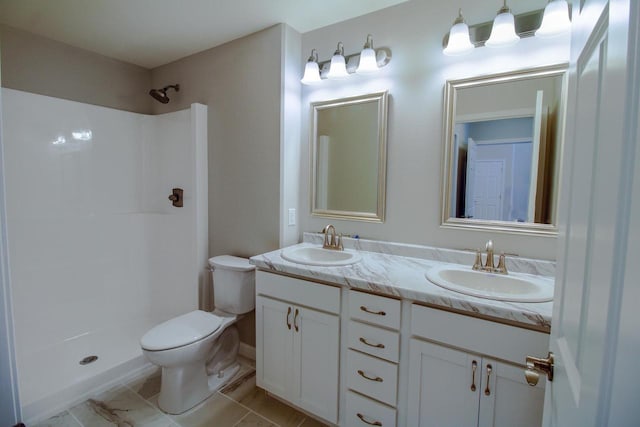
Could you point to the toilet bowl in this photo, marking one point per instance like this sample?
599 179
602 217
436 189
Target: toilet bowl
198 350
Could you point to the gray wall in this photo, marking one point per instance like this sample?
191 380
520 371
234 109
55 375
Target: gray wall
39 65
415 79
241 82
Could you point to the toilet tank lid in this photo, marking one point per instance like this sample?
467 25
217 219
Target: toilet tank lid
180 331
231 262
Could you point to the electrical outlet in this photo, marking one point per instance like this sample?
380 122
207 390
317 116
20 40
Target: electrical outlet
292 216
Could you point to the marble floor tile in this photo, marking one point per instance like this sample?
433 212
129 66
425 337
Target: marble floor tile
218 411
310 422
119 407
258 401
63 419
148 385
254 420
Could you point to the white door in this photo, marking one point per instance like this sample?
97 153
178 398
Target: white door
316 343
444 386
274 346
488 188
597 259
535 156
505 397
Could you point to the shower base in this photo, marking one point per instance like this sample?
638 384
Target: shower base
54 378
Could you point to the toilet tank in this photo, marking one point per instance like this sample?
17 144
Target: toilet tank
234 284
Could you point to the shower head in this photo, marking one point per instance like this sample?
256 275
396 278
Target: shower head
161 94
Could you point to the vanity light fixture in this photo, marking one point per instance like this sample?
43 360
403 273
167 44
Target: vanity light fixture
341 66
338 67
555 20
368 62
459 41
503 32
311 69
507 29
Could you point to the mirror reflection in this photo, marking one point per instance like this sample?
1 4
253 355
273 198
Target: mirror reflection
503 145
349 157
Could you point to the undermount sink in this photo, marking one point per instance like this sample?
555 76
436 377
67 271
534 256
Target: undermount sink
513 287
311 255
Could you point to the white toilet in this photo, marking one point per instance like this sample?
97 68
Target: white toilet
197 351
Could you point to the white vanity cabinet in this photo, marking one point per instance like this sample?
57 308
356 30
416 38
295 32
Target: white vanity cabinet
482 386
297 342
371 372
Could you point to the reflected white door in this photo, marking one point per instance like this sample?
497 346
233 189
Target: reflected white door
488 186
598 269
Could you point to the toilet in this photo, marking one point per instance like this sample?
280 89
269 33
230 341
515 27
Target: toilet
198 350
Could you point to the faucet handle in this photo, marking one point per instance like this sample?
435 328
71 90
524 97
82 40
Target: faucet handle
477 264
502 267
339 245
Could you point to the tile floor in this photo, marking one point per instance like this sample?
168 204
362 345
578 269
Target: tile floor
134 403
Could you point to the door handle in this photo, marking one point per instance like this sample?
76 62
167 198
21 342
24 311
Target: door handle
295 320
536 365
474 366
487 389
288 321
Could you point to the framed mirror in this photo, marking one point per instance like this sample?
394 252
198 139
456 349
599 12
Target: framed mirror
349 157
502 150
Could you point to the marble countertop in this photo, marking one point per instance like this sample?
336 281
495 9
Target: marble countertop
386 269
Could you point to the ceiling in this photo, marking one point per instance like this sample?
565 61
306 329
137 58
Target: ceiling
151 33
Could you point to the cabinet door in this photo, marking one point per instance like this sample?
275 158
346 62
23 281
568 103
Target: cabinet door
506 399
316 342
274 345
444 386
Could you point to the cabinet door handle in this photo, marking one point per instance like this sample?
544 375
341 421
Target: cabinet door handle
474 366
487 390
288 314
371 423
377 313
364 341
365 376
295 319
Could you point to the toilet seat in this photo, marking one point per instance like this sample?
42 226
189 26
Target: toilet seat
181 331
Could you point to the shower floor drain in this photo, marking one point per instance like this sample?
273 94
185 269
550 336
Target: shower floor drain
88 359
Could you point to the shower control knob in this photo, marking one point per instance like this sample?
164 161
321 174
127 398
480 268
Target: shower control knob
176 197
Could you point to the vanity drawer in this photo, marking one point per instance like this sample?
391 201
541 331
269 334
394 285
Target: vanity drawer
372 377
315 295
362 412
374 309
378 342
510 343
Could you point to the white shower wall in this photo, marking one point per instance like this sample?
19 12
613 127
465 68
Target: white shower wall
97 252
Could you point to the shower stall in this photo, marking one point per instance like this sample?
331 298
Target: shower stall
98 254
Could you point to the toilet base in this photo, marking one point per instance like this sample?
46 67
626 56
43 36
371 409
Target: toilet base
184 387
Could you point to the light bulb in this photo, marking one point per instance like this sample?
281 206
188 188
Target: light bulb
311 70
459 41
555 20
338 67
503 32
368 62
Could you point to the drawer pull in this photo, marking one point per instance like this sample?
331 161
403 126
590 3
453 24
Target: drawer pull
474 366
365 376
364 341
377 313
487 390
371 423
288 314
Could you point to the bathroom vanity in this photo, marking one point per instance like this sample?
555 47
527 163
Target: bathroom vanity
376 343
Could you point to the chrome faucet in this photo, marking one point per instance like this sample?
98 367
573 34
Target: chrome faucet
330 240
489 265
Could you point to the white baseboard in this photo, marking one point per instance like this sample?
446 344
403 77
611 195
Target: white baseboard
247 351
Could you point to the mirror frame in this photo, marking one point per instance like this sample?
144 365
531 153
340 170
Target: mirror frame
450 95
382 100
